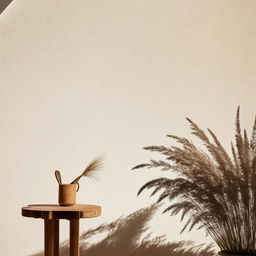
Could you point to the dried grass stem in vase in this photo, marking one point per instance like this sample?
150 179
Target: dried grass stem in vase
90 170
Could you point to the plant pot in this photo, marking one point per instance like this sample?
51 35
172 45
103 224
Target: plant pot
235 254
67 194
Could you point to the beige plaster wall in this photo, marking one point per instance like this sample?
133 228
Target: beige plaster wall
82 78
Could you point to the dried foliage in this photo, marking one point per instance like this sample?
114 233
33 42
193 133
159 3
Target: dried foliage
90 170
216 191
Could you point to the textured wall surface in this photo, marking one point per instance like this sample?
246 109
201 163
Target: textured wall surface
82 78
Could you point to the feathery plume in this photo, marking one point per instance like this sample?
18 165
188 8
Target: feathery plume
215 191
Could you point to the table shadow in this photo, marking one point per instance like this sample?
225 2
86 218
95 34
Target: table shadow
123 238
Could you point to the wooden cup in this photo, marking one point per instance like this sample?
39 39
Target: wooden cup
67 194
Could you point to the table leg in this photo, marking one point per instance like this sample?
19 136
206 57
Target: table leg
48 237
74 238
51 237
56 237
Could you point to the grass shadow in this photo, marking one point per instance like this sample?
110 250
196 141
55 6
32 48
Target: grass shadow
123 237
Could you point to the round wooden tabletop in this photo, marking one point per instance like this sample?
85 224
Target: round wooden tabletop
55 211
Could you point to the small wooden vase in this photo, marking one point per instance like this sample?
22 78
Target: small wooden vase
67 194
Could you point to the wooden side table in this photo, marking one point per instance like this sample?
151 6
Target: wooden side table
52 214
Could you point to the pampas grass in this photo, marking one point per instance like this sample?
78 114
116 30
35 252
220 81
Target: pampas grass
215 190
90 170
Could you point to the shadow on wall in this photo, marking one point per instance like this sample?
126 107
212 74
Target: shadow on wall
4 4
122 237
